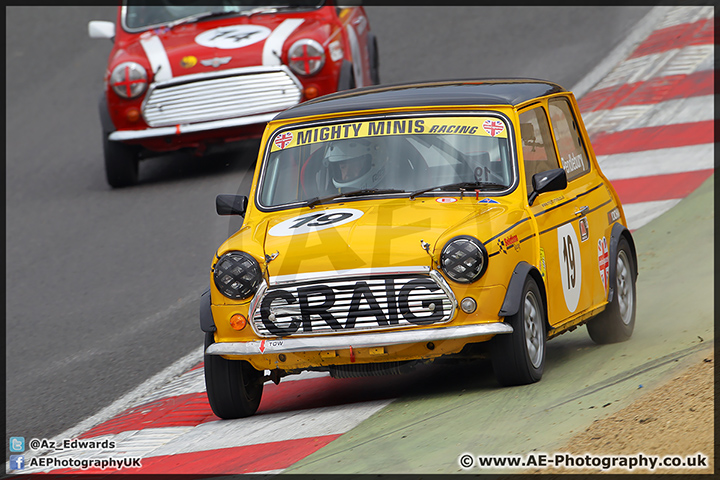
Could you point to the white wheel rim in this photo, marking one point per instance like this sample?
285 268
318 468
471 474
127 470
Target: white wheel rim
532 321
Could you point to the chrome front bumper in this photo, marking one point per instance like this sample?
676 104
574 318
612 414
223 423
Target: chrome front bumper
361 340
123 135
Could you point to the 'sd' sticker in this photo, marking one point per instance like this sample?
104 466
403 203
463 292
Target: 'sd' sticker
488 200
283 140
511 241
446 200
583 229
543 265
493 127
604 262
613 216
313 222
233 36
188 62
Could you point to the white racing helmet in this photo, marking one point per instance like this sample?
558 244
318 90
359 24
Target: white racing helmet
356 164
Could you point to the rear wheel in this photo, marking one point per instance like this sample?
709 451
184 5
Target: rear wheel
519 358
121 163
617 322
234 387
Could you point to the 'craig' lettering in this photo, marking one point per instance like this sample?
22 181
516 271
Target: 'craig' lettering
346 307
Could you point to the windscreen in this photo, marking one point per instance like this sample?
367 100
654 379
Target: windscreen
401 155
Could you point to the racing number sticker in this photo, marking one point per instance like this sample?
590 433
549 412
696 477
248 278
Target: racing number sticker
315 221
570 265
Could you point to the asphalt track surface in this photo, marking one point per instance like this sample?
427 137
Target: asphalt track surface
102 285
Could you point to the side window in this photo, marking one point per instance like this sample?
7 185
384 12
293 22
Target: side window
537 146
569 141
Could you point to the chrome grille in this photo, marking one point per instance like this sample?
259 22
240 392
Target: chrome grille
230 94
352 304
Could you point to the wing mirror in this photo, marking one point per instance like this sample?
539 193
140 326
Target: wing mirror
101 29
548 181
231 204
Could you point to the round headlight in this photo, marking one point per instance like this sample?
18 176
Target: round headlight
464 259
129 80
306 57
237 275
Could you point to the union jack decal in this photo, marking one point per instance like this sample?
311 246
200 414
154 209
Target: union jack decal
284 139
493 127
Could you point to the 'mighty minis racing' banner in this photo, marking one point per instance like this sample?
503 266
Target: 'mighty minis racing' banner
478 126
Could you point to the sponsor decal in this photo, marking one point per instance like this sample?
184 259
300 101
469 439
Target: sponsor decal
573 162
613 216
604 262
505 244
543 265
314 222
493 127
318 300
284 139
488 200
233 36
188 62
552 202
446 200
583 224
215 62
336 51
570 265
377 128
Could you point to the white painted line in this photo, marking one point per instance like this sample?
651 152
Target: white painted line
658 162
640 31
640 214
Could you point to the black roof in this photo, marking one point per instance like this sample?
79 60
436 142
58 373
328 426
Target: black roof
507 91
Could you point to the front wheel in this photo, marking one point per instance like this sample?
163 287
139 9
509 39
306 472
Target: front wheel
518 358
234 387
617 322
121 163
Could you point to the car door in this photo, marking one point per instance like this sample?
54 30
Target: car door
595 200
565 249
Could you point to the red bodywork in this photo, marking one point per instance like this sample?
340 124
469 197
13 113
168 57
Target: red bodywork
326 25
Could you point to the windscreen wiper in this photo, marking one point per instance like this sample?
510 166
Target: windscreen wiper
366 191
461 186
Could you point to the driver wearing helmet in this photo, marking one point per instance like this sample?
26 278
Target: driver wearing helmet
357 164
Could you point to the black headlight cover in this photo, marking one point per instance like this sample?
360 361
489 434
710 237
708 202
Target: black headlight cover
237 275
464 259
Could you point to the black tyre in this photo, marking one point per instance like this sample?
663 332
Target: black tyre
234 387
121 163
374 60
518 358
617 322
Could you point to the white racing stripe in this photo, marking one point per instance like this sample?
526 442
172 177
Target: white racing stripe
671 112
639 214
658 162
274 43
159 61
274 427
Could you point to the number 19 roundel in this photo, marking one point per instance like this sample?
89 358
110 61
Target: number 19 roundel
315 221
570 265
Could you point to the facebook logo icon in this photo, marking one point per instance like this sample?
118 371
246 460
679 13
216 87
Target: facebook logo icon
17 462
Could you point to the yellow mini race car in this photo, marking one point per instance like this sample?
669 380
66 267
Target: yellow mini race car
391 225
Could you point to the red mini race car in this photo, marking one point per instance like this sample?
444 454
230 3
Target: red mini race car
195 75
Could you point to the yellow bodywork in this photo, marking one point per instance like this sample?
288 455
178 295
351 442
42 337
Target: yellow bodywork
389 233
